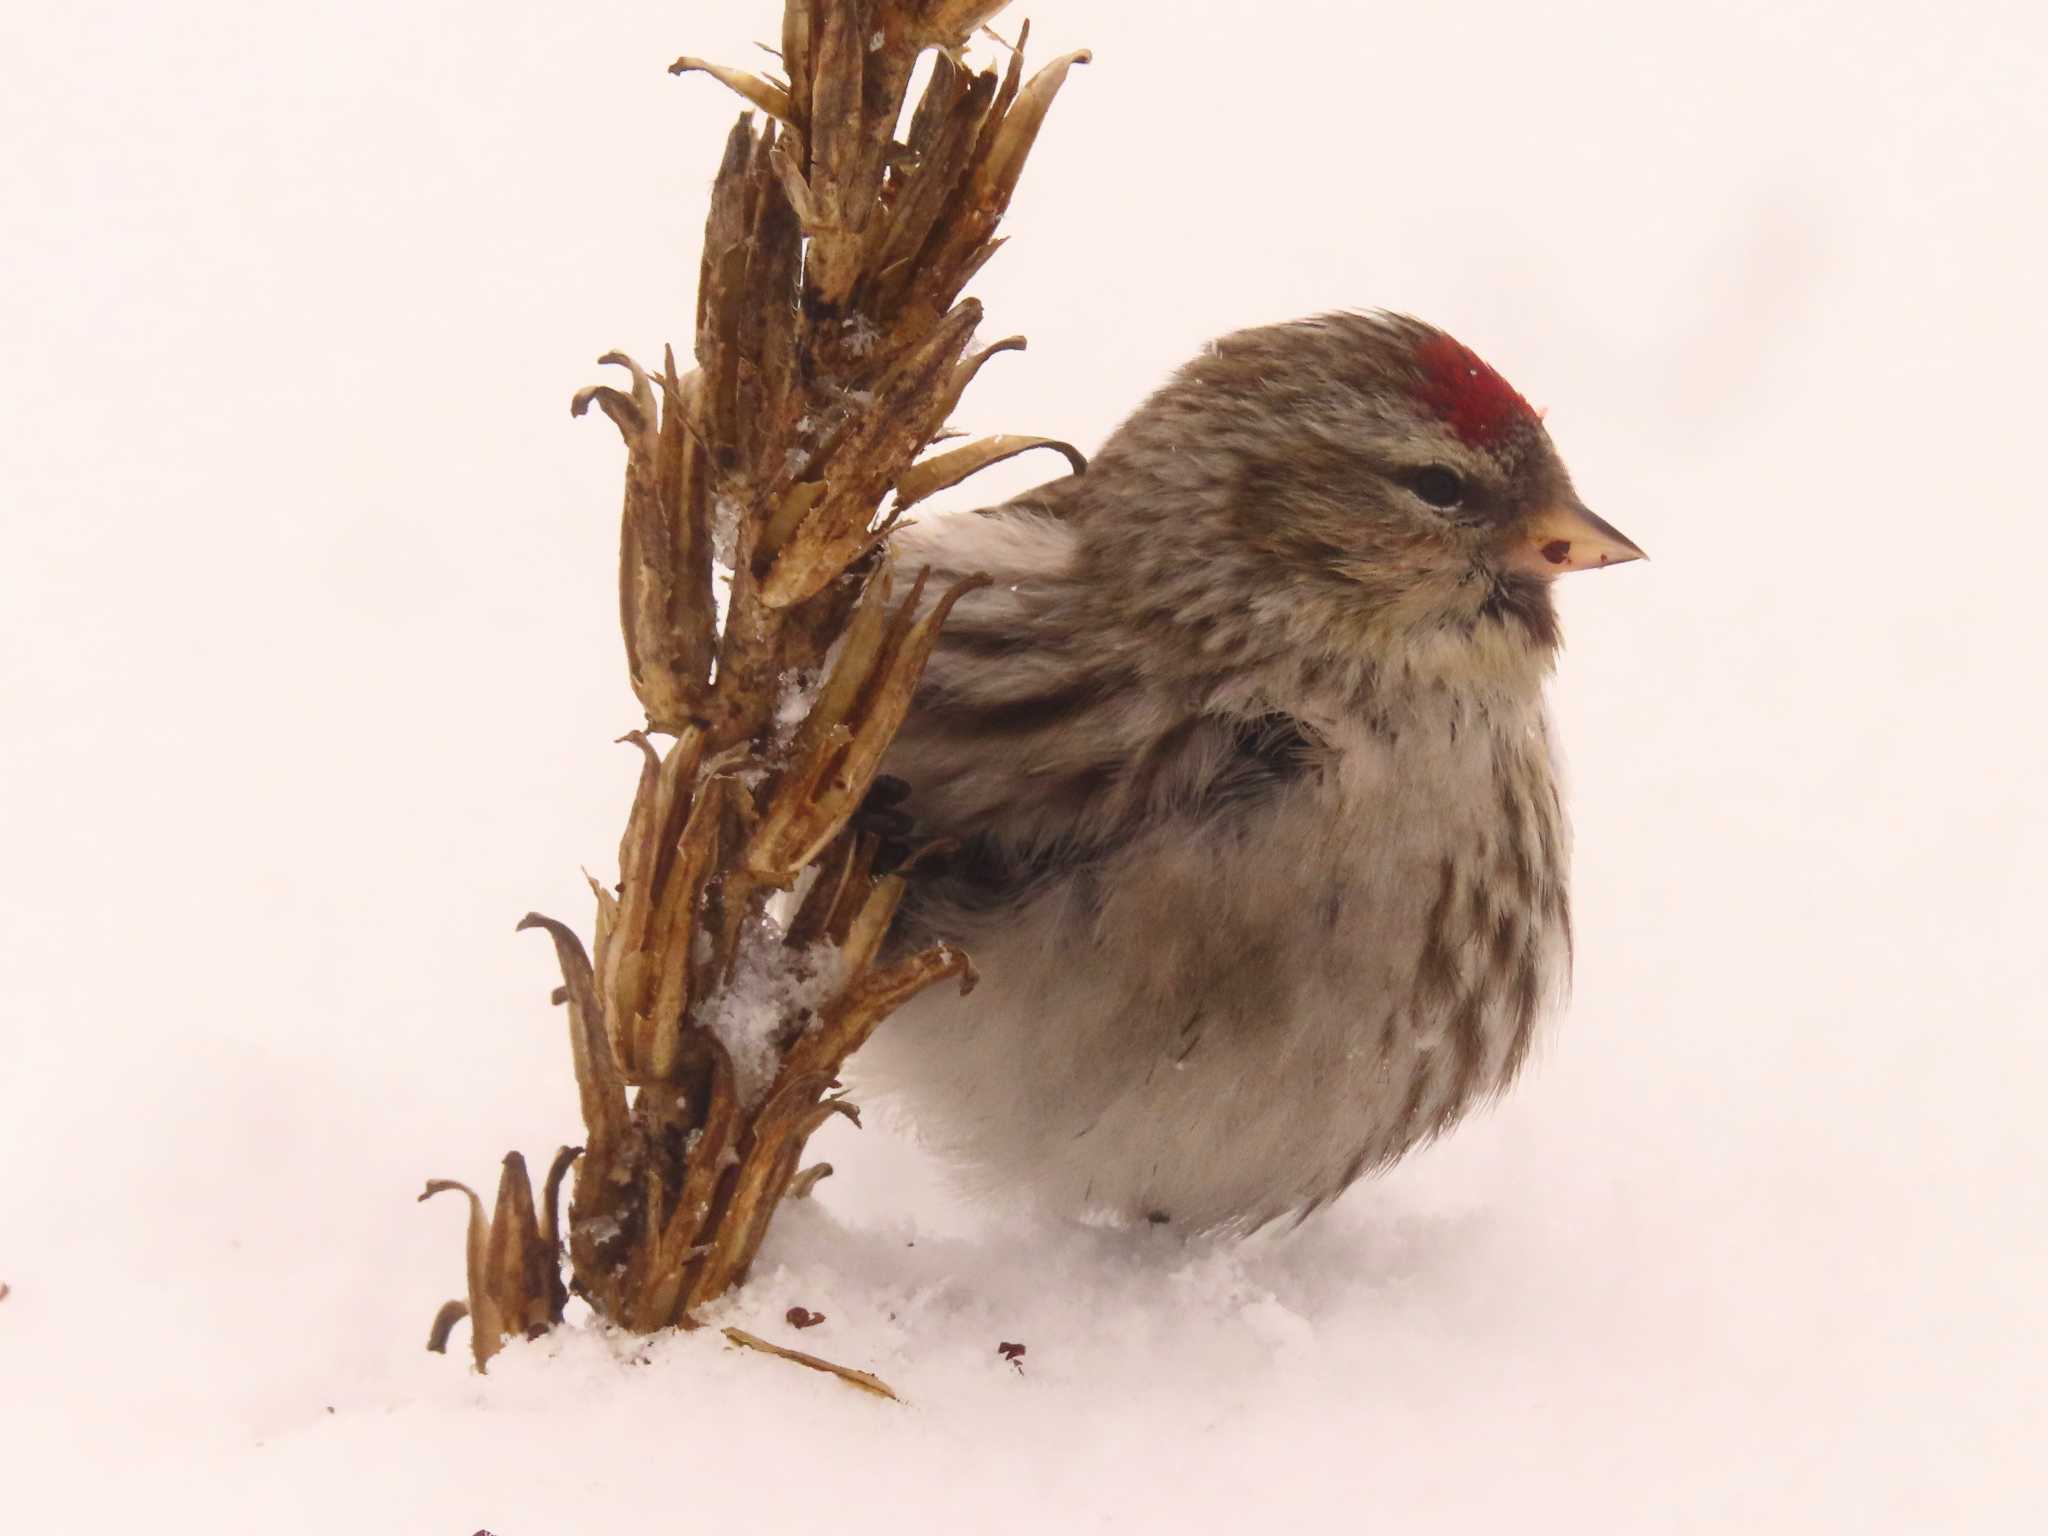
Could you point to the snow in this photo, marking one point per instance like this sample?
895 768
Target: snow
311 669
725 535
799 692
770 994
861 336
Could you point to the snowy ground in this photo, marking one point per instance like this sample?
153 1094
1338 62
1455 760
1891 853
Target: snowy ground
309 673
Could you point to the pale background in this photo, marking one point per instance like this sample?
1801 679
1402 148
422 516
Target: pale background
310 672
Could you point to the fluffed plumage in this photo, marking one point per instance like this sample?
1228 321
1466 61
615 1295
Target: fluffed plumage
1261 853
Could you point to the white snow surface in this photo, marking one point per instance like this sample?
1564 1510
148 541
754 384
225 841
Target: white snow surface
310 670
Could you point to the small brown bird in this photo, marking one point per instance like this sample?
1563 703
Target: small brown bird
1261 856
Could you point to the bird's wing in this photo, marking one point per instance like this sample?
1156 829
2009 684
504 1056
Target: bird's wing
1025 539
1035 747
1209 771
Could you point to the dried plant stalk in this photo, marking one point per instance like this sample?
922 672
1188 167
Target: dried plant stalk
831 345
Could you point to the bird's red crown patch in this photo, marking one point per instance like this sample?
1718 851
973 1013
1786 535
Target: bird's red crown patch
1476 403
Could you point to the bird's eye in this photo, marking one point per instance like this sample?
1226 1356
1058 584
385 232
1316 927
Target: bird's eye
1438 484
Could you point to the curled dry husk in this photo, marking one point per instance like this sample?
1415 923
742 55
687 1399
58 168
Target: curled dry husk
831 345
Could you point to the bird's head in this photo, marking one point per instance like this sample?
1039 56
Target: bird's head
1364 482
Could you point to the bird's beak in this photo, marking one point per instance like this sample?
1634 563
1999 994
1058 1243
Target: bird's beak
1564 536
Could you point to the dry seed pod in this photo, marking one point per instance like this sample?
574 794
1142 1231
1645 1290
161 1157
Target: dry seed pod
830 347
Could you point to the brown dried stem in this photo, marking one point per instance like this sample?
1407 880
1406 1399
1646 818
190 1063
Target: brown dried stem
867 1381
831 345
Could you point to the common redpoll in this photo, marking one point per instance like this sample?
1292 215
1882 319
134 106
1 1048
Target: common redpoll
1261 856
